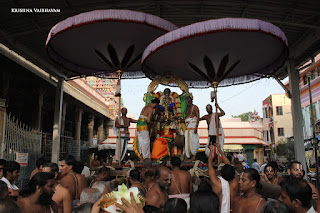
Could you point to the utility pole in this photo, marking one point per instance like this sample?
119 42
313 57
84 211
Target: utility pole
294 80
314 140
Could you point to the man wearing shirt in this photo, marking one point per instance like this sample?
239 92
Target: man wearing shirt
11 172
2 162
255 165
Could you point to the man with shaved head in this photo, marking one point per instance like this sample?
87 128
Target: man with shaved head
157 195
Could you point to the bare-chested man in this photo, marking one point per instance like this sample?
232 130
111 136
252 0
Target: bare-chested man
103 174
36 196
62 196
181 183
143 130
82 180
157 195
191 133
124 132
95 162
226 186
249 200
134 179
71 180
39 164
148 179
210 118
270 175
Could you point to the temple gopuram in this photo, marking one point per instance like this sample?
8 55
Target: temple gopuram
106 87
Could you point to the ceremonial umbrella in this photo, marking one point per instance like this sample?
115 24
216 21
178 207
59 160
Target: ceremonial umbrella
102 42
220 52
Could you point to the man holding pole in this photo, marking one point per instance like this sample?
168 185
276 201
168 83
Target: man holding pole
212 128
124 132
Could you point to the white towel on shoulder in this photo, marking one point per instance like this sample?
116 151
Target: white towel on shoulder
225 203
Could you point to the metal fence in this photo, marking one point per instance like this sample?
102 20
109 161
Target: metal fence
68 146
20 140
47 145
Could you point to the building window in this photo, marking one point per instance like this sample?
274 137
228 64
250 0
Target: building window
279 110
280 132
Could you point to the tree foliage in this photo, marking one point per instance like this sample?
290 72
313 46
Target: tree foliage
286 148
243 116
248 116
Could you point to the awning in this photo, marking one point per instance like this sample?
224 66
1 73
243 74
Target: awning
242 141
226 148
232 147
113 146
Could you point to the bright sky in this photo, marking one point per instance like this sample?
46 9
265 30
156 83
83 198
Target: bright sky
234 100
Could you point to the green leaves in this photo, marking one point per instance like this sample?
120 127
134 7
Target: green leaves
211 75
115 63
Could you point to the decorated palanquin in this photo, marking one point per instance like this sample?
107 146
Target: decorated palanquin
167 129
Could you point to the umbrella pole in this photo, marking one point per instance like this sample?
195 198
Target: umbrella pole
215 86
119 72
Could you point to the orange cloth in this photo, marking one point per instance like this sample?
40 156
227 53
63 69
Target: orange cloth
160 148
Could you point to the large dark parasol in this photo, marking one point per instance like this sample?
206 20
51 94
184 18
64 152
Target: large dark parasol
221 52
102 42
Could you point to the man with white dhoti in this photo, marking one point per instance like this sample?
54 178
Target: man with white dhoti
143 130
124 133
212 129
191 134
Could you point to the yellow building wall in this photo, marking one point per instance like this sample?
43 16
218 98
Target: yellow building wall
282 121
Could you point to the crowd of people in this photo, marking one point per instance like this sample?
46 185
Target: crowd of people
71 187
67 189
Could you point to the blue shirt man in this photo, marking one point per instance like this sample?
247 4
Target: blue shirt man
255 165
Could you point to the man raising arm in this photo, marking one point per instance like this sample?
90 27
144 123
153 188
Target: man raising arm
226 186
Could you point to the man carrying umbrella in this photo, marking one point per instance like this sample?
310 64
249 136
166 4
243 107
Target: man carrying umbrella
212 129
191 133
